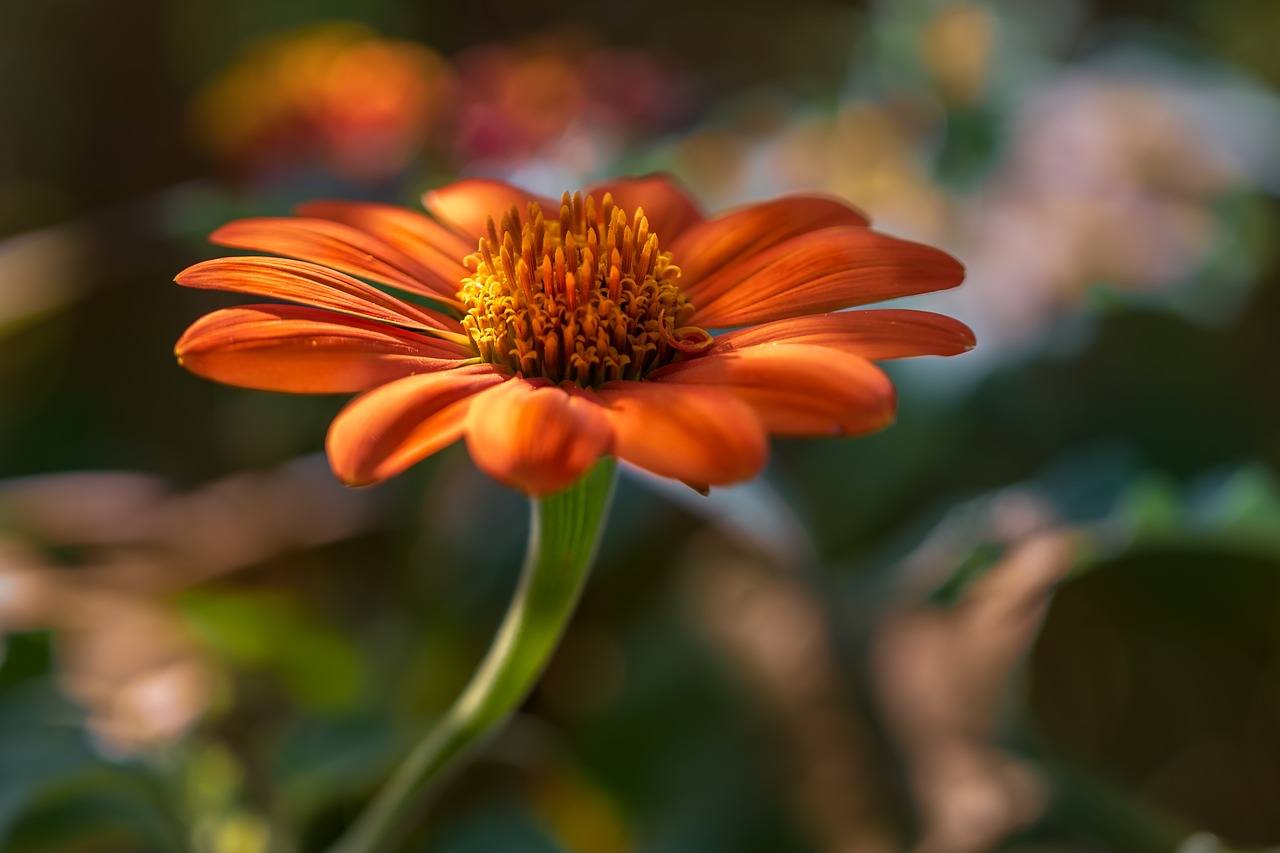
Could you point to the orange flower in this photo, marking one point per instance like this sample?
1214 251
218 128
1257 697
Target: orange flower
336 96
570 332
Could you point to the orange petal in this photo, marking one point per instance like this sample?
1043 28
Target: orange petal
466 205
873 334
796 389
820 271
413 233
667 206
308 284
692 433
384 431
735 236
333 244
307 350
538 438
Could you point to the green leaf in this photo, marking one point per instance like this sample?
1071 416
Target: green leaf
1151 506
317 664
106 809
25 656
322 761
505 830
1246 509
56 790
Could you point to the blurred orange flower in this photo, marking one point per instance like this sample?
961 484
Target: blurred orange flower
562 339
337 96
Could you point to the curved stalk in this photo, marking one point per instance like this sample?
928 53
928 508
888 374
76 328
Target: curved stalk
563 537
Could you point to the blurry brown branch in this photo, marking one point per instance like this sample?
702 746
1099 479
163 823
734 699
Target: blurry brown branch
773 629
941 674
123 651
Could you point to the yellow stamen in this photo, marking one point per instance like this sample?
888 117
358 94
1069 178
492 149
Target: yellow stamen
587 297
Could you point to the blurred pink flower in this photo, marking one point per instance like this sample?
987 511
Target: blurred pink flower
1109 180
519 101
1105 177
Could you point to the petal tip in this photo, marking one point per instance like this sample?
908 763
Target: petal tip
351 481
344 467
703 489
954 270
219 236
184 278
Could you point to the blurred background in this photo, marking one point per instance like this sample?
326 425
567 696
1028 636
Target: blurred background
1038 614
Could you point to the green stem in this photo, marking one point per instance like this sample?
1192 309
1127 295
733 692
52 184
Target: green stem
563 537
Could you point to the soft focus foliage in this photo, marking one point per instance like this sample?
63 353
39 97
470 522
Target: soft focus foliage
1036 614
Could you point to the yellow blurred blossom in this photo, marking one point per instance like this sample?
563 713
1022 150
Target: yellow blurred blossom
867 152
956 47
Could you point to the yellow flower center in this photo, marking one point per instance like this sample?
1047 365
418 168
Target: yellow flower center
587 298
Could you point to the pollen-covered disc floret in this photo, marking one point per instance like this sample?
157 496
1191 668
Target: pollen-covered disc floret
588 297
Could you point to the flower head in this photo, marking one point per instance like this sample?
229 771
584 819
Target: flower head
336 96
562 332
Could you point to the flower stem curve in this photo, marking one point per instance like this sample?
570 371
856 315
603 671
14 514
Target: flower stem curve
563 538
